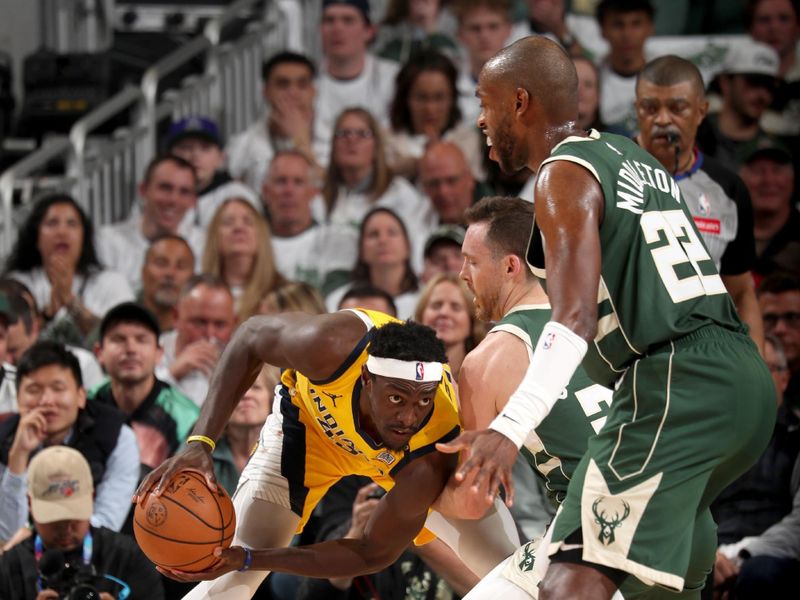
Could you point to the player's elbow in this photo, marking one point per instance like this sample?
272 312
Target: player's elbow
378 559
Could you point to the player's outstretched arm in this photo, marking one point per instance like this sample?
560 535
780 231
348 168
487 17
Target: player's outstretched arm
316 345
397 519
569 211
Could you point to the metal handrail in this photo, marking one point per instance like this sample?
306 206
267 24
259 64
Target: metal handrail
31 163
127 97
93 177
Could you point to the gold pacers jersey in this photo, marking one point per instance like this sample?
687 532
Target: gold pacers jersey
325 414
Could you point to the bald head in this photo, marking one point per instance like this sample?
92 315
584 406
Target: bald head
671 70
542 68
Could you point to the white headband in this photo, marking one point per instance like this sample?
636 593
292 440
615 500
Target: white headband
405 369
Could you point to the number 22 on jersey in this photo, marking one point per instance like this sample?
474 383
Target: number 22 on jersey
683 247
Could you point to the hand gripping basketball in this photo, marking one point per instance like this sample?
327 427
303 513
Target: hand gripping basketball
195 457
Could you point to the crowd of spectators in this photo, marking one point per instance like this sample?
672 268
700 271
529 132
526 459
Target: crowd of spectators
350 191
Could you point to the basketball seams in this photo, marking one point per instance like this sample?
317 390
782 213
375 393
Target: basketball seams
166 545
216 501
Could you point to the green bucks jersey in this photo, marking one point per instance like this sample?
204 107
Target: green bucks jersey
657 280
559 441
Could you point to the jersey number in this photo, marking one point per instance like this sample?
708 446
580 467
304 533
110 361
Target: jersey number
590 399
683 246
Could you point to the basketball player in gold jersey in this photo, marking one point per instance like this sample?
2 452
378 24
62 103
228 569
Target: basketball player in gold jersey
362 394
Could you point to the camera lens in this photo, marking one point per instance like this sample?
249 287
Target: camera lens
83 591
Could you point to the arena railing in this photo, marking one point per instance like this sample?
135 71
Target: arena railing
102 171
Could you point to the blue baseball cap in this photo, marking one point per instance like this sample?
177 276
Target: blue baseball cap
196 127
361 5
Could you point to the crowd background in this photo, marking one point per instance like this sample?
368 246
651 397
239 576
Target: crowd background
350 191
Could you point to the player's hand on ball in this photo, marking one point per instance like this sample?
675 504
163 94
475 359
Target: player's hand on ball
230 559
194 456
490 458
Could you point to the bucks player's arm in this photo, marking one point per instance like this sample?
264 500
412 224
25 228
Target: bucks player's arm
397 519
569 210
489 375
314 345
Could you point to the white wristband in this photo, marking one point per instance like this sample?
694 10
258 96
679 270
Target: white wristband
558 353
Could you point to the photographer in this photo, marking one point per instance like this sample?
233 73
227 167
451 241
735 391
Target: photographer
66 557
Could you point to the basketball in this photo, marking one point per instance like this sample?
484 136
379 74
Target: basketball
180 529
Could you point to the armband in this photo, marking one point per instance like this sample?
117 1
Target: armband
202 438
248 560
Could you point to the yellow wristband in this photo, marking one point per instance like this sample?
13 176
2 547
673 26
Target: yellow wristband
202 438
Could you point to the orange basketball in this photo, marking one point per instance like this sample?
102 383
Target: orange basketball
180 529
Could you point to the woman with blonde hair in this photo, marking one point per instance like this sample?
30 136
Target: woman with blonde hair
447 306
296 296
241 433
358 177
239 251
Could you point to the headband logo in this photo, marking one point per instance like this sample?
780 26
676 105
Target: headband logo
420 371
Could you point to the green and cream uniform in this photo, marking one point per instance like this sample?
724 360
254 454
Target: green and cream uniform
559 442
694 404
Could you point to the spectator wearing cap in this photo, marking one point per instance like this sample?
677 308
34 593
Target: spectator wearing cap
350 75
198 141
747 84
24 332
320 254
168 192
53 411
61 506
768 173
289 121
670 105
443 252
8 392
129 350
777 24
168 265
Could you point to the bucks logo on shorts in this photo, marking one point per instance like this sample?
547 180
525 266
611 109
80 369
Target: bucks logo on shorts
528 556
609 517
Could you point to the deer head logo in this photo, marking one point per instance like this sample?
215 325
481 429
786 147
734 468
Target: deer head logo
609 524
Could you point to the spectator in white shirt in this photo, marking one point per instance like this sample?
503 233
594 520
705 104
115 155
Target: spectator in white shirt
54 256
197 140
425 110
304 249
350 75
288 123
358 178
168 192
626 25
383 262
239 252
168 265
204 322
484 27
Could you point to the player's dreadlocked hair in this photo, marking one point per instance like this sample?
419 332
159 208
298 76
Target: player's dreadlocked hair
407 341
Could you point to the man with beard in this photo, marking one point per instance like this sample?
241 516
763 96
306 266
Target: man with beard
670 105
508 294
626 270
168 265
159 415
361 394
748 85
